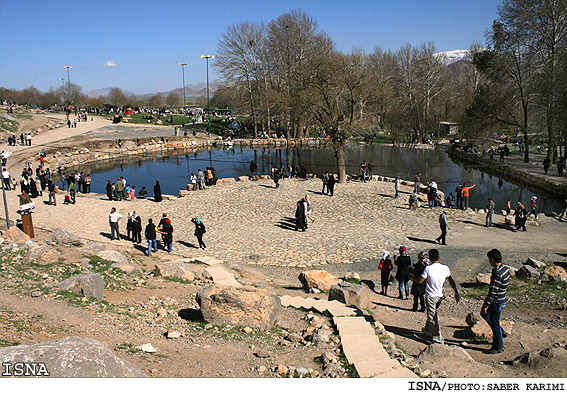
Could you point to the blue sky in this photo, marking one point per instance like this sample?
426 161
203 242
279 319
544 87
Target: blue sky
146 39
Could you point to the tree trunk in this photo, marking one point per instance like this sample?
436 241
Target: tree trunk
526 146
341 165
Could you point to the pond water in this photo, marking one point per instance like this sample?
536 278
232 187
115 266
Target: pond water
173 171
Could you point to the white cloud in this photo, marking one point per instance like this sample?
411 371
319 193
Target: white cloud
110 63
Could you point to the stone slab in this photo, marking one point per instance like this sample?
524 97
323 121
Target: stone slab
221 276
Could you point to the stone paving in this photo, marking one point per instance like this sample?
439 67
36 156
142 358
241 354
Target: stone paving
218 272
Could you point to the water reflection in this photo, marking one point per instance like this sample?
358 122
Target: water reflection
386 160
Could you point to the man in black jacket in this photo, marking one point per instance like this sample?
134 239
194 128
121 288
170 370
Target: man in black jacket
151 237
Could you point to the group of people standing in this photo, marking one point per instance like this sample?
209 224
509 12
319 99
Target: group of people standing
208 177
428 276
121 190
25 139
164 227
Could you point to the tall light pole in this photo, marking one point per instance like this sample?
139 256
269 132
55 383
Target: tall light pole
63 88
183 72
69 81
208 107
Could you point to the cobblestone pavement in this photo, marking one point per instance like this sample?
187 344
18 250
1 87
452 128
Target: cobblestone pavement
253 223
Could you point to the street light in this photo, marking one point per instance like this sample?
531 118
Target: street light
69 81
183 71
208 107
63 88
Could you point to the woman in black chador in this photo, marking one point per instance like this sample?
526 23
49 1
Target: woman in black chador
157 192
33 188
300 219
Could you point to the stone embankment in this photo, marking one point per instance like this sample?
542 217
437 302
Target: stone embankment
507 171
84 156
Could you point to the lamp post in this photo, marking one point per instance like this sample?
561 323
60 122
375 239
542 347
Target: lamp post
63 87
68 81
208 107
183 72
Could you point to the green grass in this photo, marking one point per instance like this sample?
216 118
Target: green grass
7 342
178 280
11 126
350 368
177 119
521 289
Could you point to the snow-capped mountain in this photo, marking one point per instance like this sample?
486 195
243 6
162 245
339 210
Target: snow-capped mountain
454 56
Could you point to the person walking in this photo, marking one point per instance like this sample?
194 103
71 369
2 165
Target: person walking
417 183
444 225
88 182
300 218
119 189
533 206
418 289
276 175
363 170
466 195
397 187
546 164
167 232
6 179
157 192
109 190
113 218
496 299
193 181
385 268
72 190
136 228
129 226
151 236
199 231
52 190
403 262
325 179
489 212
331 184
520 217
434 277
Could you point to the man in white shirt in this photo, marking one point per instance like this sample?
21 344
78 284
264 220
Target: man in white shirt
434 276
6 179
113 219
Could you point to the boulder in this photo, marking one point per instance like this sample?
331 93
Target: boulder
479 327
321 280
556 274
509 220
483 279
178 270
243 178
528 272
129 268
183 193
114 255
246 306
62 236
535 263
93 248
73 357
352 276
88 285
350 294
44 254
14 234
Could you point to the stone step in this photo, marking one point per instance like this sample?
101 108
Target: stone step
221 276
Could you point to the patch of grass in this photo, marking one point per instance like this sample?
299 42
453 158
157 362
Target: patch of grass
7 342
178 280
352 280
127 347
521 289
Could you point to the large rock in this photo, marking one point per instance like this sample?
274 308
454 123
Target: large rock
244 178
114 255
438 350
226 180
178 270
509 220
321 280
88 285
14 234
44 254
350 294
483 279
73 357
555 273
246 306
62 236
93 248
535 263
479 327
129 267
528 272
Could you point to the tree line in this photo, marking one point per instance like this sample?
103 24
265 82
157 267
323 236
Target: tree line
287 74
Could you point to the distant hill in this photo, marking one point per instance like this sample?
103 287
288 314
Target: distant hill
454 56
191 91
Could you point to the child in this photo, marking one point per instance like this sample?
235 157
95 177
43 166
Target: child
412 201
385 268
132 193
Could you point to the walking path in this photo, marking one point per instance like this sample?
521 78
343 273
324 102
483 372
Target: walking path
218 272
360 344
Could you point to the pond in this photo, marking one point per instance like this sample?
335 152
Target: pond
173 171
